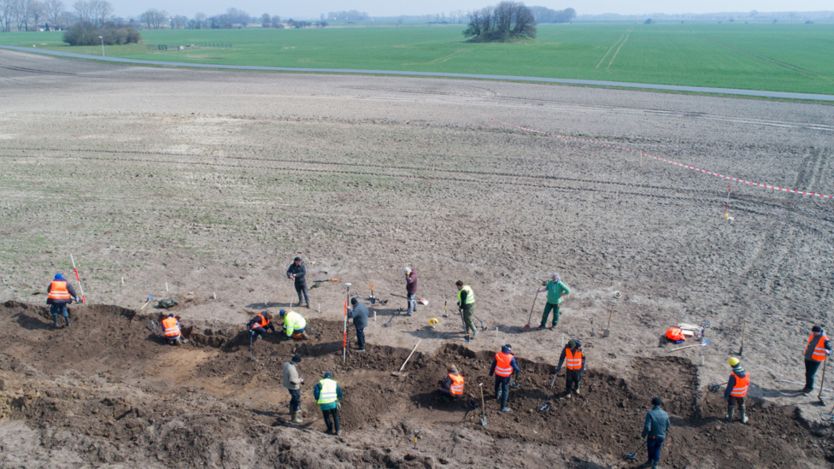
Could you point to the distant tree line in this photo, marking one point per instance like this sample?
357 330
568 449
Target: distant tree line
546 15
88 34
348 16
504 22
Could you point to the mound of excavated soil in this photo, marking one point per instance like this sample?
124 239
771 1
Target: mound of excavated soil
107 391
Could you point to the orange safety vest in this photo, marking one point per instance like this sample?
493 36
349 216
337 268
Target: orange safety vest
819 352
740 389
503 364
172 329
262 322
675 334
573 360
456 389
58 291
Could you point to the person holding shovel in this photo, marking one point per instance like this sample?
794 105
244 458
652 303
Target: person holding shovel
466 305
817 350
555 289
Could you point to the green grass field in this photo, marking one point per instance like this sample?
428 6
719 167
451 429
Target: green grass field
767 57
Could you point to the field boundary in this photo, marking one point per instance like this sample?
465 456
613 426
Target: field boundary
470 76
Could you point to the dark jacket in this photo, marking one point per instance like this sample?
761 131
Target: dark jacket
411 283
359 314
562 358
731 383
300 273
513 364
256 320
59 302
656 424
333 405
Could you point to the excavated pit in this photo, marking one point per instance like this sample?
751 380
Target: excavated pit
106 391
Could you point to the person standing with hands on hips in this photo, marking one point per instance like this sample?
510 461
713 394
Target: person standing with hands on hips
555 289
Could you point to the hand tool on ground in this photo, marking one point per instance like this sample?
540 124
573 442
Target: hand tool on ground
78 279
400 372
483 406
545 404
607 331
703 343
822 382
632 456
483 324
420 300
530 316
715 387
344 330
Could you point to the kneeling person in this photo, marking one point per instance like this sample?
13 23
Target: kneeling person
294 324
258 326
452 384
171 329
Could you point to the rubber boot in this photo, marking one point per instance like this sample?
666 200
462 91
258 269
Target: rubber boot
743 414
66 321
729 416
296 418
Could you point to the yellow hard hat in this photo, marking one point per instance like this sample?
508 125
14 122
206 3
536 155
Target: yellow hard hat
733 361
433 322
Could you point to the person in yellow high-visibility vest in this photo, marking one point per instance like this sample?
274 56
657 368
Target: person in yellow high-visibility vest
466 305
328 396
294 324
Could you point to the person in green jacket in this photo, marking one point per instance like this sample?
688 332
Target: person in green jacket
328 396
555 289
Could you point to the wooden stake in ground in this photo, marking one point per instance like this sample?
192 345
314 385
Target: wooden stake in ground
78 279
344 329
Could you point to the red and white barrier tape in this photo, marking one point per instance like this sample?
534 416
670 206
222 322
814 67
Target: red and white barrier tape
760 185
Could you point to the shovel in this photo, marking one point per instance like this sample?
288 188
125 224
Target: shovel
530 316
607 331
632 456
483 406
545 405
400 372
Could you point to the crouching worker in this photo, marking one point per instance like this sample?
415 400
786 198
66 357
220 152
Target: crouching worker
59 294
328 396
171 329
258 326
294 325
452 385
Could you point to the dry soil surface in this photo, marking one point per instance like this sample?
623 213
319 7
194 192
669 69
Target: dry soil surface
207 184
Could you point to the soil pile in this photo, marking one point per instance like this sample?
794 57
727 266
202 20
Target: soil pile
107 391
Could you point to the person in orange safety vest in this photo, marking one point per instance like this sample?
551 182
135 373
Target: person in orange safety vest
452 384
504 365
171 329
736 391
574 359
675 334
258 326
59 294
817 350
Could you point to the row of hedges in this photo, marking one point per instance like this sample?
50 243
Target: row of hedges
86 34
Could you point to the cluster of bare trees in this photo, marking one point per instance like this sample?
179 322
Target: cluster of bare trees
504 22
33 15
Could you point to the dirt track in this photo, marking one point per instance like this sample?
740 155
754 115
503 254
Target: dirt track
212 181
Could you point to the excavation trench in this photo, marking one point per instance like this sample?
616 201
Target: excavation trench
106 390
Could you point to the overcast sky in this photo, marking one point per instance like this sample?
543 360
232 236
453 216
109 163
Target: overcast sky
312 8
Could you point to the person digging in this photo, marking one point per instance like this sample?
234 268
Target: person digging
452 385
59 294
258 327
817 350
556 291
294 325
171 329
466 305
736 390
574 359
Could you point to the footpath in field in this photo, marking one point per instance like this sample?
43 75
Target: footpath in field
106 391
